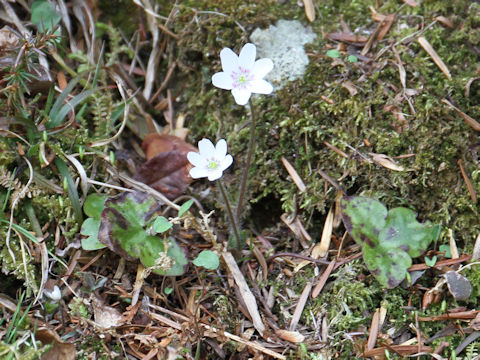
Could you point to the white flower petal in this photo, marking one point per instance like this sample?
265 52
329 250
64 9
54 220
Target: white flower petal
196 159
247 56
241 96
229 60
226 162
206 148
222 80
221 149
215 174
198 172
262 67
261 87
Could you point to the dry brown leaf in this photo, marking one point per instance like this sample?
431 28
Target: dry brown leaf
62 80
445 21
347 37
290 336
436 59
166 169
106 317
386 161
350 87
309 10
8 40
60 349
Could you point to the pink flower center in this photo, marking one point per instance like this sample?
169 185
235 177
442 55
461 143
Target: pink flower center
241 78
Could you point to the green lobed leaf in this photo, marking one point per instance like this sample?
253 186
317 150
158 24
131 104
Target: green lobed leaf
389 238
90 229
207 259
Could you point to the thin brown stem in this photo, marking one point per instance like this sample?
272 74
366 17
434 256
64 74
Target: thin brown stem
246 170
233 219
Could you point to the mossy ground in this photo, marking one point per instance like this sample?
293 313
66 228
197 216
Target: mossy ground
295 122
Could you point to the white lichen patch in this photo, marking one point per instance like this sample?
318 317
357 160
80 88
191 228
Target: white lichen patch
283 43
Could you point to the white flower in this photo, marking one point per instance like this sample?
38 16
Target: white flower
211 161
242 74
55 294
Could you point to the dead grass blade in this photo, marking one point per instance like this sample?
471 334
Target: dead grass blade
245 292
476 249
374 327
300 306
309 10
294 175
326 237
323 279
471 189
386 161
436 59
469 120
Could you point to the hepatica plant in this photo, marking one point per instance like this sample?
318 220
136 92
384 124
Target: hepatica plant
389 239
243 76
128 224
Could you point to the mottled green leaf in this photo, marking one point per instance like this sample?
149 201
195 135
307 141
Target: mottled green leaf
123 229
207 259
389 238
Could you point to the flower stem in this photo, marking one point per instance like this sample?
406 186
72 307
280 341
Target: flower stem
251 147
233 219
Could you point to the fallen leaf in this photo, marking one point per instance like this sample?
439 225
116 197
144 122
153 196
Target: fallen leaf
8 40
290 336
348 37
60 349
106 316
458 285
386 161
436 59
166 169
350 87
309 10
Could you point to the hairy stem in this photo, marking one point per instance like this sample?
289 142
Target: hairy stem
251 147
233 219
